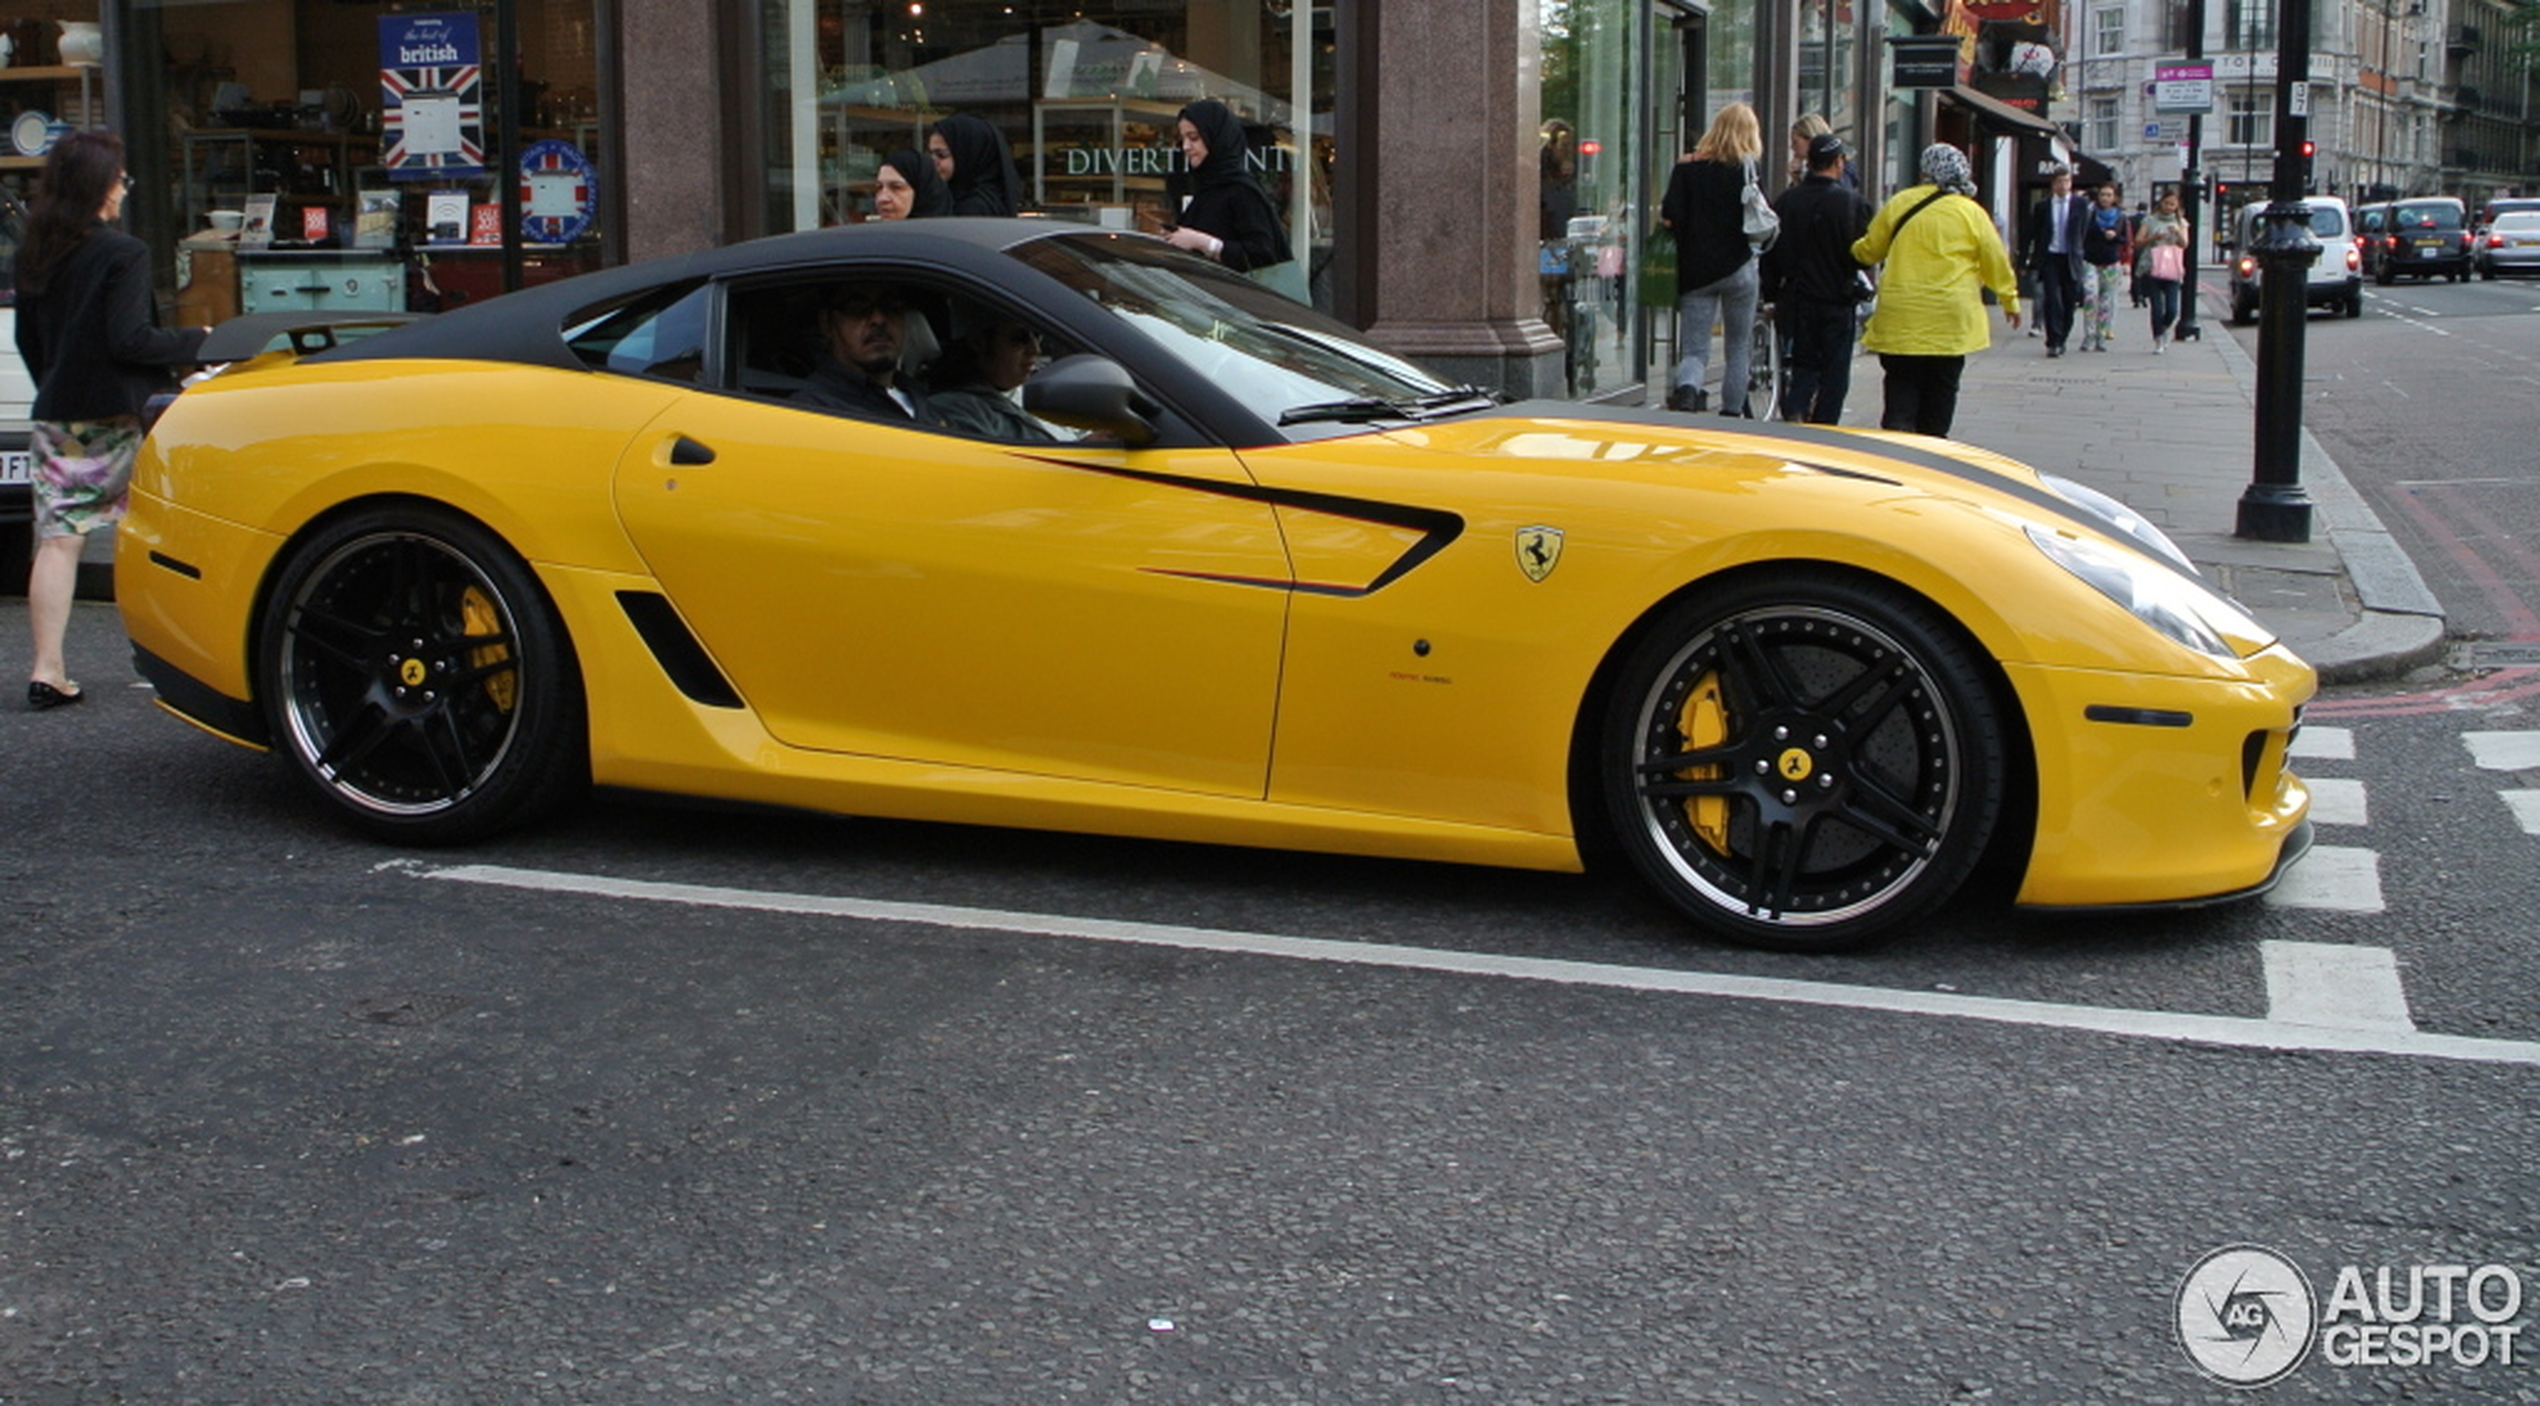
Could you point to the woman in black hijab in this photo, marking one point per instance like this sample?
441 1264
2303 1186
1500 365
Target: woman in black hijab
907 188
976 164
1229 216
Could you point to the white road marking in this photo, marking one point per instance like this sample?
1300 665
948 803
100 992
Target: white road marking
2237 1031
2526 808
2504 751
2342 988
2339 878
2323 744
2336 800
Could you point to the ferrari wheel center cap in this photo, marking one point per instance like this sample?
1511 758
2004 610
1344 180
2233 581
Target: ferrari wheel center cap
412 672
1795 764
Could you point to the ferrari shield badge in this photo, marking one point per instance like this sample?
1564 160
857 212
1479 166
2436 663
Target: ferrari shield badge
1538 551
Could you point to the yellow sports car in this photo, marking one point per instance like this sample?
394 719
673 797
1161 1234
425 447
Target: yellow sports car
770 524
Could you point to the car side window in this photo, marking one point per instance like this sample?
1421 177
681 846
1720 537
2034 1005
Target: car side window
661 333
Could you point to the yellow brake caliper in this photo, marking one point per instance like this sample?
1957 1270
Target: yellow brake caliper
1705 723
476 615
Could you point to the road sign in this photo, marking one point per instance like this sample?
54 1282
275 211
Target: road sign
2183 87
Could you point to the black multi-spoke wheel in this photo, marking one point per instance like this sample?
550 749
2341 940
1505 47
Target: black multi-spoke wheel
413 670
1803 764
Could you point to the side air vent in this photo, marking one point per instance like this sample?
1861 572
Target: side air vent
690 669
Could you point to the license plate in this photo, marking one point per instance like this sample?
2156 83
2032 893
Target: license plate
2426 245
16 466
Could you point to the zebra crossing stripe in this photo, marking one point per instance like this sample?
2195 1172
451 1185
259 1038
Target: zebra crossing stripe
2504 751
2336 801
2323 744
2337 878
2526 808
2335 986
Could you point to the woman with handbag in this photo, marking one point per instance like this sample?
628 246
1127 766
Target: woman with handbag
1706 210
88 330
2161 255
1941 252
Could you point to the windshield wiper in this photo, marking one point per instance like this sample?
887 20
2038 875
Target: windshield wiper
1365 408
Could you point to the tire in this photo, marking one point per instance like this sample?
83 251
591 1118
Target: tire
17 556
2243 311
1764 373
2381 276
1801 763
2355 304
414 672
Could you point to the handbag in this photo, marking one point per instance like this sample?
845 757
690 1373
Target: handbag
2169 262
1761 223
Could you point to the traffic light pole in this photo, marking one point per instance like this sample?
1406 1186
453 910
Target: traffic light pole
2275 508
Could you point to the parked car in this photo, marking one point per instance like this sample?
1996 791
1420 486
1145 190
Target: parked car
17 397
2512 244
2423 237
1274 586
2335 280
2501 205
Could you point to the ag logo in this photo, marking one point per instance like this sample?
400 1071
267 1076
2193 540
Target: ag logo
2245 1315
1538 551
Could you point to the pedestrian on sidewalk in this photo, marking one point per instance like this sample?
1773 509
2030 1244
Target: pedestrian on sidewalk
88 330
2051 246
2162 246
1941 253
1715 265
1812 286
2104 248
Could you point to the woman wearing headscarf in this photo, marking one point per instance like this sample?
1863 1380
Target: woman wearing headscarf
1229 216
907 188
976 164
1941 252
1715 265
88 329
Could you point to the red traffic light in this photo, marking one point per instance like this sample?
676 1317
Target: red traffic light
2308 148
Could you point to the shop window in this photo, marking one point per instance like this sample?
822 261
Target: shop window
1085 95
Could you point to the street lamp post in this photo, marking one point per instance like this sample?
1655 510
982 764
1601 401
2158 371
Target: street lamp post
2189 178
2274 507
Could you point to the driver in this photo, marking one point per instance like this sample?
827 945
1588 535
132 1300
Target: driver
863 327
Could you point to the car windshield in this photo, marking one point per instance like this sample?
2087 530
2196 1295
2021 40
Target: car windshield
1297 367
2426 217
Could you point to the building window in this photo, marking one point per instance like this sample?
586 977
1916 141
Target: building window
2107 29
2103 124
2252 117
2249 24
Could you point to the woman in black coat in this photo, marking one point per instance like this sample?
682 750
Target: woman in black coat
907 188
976 163
88 331
1229 216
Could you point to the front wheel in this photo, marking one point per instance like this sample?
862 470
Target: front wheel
1803 764
415 674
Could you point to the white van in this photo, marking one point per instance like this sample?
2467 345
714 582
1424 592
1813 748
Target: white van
2337 272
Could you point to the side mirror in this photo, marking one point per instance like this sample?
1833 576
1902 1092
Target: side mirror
1092 393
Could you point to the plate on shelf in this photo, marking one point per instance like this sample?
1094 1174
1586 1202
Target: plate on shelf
31 132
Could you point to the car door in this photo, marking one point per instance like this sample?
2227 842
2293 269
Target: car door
894 590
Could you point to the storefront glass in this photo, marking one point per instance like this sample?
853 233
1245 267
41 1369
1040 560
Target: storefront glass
1829 83
312 155
1592 204
1085 93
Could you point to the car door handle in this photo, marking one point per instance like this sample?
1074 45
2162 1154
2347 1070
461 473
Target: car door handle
686 451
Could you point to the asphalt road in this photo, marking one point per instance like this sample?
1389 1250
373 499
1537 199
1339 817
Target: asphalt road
288 1117
2425 404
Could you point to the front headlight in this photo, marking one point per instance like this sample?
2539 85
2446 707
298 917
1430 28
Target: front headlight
2177 607
2118 518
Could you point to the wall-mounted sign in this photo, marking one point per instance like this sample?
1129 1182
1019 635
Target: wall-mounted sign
432 97
1925 60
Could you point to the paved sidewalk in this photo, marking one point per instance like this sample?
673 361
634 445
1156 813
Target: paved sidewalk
2173 437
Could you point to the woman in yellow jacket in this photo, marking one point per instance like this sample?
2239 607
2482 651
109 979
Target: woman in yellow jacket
1941 250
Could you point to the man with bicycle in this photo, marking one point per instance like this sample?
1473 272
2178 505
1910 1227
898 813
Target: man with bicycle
1811 285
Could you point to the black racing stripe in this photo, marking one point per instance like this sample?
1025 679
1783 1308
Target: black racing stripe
1437 528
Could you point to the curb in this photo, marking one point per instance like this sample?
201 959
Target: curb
2402 626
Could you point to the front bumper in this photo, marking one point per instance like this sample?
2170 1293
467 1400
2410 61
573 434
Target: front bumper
2162 790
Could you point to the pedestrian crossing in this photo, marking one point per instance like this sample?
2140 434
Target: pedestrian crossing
2342 877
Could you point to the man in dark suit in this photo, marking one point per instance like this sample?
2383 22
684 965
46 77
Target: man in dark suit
864 326
2050 244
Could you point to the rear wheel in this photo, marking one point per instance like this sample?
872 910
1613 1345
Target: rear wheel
2244 310
1803 764
415 674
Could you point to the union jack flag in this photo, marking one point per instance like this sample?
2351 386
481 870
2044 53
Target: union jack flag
551 169
466 86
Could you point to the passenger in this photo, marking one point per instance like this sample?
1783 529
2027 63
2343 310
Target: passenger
1229 217
907 188
977 166
975 382
866 329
